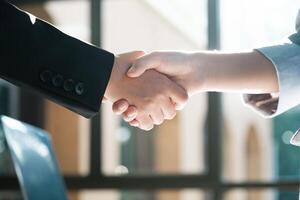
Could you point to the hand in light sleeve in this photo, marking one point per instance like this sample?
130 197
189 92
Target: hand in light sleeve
154 95
179 67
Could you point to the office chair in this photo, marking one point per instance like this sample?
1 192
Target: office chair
33 160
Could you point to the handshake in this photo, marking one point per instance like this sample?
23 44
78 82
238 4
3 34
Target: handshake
149 88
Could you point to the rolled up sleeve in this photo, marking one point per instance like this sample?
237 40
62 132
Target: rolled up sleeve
286 59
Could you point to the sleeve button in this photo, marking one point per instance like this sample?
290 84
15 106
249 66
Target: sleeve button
69 85
57 80
46 76
79 89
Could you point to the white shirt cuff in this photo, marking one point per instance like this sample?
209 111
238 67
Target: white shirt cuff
286 59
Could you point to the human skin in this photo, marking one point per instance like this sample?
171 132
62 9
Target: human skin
243 72
152 93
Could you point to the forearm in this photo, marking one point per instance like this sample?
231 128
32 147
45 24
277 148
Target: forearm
37 56
247 72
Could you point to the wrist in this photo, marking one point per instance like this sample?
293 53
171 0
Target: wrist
110 88
203 71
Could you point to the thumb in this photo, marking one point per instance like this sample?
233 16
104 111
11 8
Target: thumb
132 54
136 71
142 64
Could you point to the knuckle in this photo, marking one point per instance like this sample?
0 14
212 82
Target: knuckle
160 121
149 128
146 127
171 115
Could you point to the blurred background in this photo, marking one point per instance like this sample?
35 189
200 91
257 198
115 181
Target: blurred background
214 149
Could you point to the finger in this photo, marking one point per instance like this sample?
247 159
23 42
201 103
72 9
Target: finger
104 100
134 123
130 114
178 95
120 106
157 116
150 61
133 54
269 106
146 122
254 98
168 110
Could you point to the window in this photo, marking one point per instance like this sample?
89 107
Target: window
201 154
176 147
259 148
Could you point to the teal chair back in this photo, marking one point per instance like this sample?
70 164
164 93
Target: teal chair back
33 160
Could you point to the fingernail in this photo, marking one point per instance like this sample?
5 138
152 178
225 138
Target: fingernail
122 106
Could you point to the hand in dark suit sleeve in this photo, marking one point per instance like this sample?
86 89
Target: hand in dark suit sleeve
36 55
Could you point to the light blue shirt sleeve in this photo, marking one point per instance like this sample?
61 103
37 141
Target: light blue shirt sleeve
286 59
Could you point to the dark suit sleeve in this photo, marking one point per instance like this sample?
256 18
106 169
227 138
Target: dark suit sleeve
35 55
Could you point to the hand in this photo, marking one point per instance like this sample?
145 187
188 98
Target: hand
153 94
240 72
213 71
129 113
183 68
179 67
